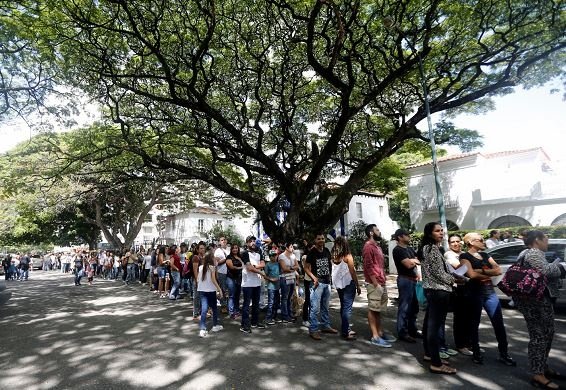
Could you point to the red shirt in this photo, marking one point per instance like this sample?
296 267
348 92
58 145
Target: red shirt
373 262
176 261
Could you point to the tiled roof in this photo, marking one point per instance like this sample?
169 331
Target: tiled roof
485 155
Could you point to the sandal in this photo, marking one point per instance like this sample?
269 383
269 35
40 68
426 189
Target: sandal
545 385
443 370
550 373
350 337
444 362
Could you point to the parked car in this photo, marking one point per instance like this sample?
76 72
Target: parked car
506 255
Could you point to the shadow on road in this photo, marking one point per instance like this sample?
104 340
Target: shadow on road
111 336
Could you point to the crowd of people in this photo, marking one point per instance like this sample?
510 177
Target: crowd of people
295 285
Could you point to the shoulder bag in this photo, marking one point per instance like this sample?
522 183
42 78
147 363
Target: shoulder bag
523 281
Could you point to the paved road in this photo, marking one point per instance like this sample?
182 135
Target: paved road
109 336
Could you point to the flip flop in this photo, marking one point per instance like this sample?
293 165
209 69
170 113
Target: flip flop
442 370
545 385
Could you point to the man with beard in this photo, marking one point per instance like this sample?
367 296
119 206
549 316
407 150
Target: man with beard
406 262
318 267
251 285
374 274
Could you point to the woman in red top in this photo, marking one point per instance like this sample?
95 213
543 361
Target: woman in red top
175 263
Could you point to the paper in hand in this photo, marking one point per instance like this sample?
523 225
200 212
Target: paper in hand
460 271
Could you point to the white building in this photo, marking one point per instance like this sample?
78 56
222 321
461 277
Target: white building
369 207
490 190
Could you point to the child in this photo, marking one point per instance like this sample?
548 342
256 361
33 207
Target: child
208 288
273 297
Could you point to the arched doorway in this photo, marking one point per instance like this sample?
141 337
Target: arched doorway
508 221
559 221
451 226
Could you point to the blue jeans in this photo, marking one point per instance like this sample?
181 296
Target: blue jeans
190 283
222 283
492 307
176 285
347 296
408 307
196 301
272 304
320 302
78 275
24 274
286 295
234 289
208 299
131 273
435 317
251 294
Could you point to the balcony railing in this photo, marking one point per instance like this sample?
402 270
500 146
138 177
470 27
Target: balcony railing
428 204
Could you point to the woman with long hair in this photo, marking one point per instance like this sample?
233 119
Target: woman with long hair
539 314
208 288
345 281
234 280
161 271
437 284
196 261
289 266
481 268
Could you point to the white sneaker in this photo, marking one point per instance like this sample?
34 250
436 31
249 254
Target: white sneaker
306 324
217 328
203 333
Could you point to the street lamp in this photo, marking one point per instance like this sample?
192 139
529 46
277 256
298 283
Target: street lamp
389 24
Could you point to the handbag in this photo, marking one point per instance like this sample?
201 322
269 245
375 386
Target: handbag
523 281
419 291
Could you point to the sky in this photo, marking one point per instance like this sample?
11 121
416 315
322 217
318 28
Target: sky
522 120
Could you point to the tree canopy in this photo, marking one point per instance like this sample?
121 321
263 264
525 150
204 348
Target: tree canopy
270 100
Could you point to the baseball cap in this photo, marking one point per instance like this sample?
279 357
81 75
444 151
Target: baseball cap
400 232
250 238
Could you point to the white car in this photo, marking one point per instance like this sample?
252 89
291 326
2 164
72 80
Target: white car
506 255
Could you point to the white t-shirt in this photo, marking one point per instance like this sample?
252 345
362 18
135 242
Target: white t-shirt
222 254
290 262
341 276
491 242
251 279
205 285
452 258
147 261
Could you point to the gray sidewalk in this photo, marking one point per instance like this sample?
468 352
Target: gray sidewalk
109 336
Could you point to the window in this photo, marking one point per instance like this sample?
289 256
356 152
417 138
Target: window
381 211
219 223
148 230
200 225
359 213
148 218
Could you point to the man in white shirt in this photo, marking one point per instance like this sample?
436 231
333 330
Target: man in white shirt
251 286
493 239
220 255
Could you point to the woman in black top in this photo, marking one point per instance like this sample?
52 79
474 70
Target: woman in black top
481 267
234 280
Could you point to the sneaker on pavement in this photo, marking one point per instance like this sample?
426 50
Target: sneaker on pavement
217 328
388 337
449 351
306 324
245 330
203 333
465 351
379 342
270 322
260 325
444 355
329 330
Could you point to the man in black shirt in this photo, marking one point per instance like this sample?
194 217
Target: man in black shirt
24 267
406 262
318 267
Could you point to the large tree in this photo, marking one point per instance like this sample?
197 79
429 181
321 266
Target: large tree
270 100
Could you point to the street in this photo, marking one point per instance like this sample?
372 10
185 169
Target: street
111 336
